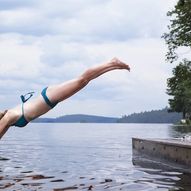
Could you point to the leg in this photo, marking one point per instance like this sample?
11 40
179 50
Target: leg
57 93
61 92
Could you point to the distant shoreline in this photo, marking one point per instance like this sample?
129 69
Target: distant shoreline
154 116
108 123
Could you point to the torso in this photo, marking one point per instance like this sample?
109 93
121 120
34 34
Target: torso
32 109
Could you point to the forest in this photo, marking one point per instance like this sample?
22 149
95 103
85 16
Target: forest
154 116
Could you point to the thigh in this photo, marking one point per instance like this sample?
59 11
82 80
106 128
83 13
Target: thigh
60 92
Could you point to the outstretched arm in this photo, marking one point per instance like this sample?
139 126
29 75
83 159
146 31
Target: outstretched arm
4 126
6 121
3 129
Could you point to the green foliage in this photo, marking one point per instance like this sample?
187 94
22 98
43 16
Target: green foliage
179 29
179 87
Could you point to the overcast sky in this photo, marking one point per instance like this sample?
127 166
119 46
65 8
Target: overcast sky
44 42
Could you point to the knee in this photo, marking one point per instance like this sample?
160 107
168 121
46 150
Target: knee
83 80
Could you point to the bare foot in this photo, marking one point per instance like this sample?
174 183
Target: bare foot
116 62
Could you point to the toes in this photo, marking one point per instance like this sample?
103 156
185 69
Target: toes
118 62
128 68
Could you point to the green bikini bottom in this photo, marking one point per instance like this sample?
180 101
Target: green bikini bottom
21 122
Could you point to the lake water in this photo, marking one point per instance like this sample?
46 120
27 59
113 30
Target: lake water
84 157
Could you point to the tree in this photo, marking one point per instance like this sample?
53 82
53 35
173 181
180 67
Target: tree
179 35
179 29
179 87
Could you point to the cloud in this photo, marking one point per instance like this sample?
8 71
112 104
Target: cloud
87 20
144 87
35 65
48 42
18 60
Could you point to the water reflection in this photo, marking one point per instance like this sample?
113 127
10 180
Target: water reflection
164 176
161 175
177 131
80 157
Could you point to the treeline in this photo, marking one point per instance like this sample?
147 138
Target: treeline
179 36
154 116
77 118
81 118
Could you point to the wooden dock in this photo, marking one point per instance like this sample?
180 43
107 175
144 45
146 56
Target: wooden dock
176 152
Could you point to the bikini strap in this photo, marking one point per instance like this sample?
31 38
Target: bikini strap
24 99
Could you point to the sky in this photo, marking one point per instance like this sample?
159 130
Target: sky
48 42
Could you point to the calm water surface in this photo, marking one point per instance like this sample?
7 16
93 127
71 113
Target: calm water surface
84 157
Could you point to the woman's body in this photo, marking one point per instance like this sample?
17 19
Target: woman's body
53 95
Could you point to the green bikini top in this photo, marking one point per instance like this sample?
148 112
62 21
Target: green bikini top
21 122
